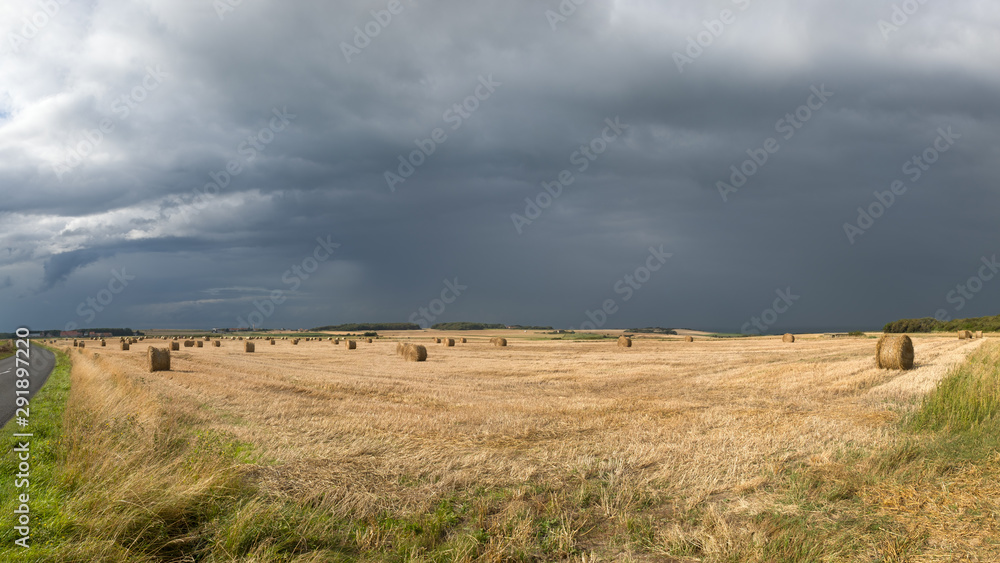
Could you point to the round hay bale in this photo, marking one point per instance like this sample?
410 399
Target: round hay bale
963 335
295 342
624 342
350 344
189 343
271 340
336 341
688 339
369 340
463 341
83 345
979 334
449 341
437 340
788 337
200 344
217 344
894 352
124 346
497 341
414 353
248 347
159 359
175 345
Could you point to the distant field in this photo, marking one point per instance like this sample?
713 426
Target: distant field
668 451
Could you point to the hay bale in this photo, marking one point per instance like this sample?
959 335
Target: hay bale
497 341
369 340
200 344
894 352
295 342
399 348
688 339
788 337
979 334
159 359
336 341
83 345
624 342
414 353
103 343
964 335
437 340
189 343
124 346
271 340
248 346
463 341
217 344
175 345
449 341
350 344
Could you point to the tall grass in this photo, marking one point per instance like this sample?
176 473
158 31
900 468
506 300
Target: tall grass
968 400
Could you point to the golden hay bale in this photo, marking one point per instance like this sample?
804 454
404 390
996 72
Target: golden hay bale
295 342
350 344
448 341
199 344
189 343
979 334
103 343
175 345
463 341
336 341
414 352
497 341
437 340
894 352
964 335
248 346
124 346
688 339
217 344
788 337
369 340
271 340
159 359
624 342
83 345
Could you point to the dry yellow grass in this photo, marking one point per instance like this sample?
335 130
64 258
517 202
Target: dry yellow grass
363 433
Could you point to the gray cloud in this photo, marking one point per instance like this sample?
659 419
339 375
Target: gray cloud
134 200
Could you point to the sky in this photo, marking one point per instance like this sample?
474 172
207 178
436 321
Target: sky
730 165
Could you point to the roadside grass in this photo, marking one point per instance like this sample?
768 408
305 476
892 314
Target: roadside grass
6 350
117 475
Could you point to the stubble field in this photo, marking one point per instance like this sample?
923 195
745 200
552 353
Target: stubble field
668 451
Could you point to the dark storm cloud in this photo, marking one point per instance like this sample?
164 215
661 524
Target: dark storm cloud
205 196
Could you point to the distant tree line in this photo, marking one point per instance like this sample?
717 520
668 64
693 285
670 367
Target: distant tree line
485 326
930 324
652 330
368 326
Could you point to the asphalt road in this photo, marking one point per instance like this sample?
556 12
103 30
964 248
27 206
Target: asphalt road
41 362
